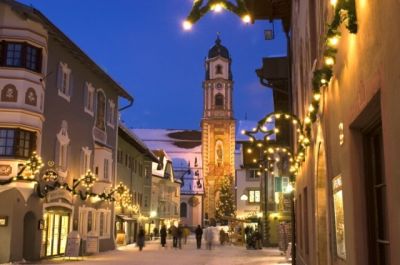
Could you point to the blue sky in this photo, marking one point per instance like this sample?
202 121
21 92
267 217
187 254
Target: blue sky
142 46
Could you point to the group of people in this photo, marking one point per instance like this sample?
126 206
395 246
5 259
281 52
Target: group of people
253 238
180 233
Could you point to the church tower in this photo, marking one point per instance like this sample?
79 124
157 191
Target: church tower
218 125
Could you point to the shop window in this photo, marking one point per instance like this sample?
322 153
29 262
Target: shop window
16 143
9 94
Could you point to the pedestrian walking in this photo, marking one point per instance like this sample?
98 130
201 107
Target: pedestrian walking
209 237
174 233
140 239
163 235
222 236
180 235
186 233
199 234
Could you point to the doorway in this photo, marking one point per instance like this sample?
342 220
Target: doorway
55 233
29 236
376 195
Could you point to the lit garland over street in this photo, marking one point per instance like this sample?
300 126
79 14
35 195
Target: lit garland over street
217 6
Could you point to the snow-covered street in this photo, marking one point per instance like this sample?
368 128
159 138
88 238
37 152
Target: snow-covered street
154 254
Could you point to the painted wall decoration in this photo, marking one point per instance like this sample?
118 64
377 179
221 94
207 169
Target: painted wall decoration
219 153
9 94
31 97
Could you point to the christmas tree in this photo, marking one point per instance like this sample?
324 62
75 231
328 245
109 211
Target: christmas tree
226 203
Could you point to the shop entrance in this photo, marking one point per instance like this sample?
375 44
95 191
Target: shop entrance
55 233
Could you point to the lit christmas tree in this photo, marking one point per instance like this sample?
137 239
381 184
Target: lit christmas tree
226 203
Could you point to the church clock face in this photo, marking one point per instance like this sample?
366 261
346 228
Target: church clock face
219 85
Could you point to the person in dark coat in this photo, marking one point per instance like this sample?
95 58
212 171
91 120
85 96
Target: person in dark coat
199 234
180 235
140 239
174 233
163 235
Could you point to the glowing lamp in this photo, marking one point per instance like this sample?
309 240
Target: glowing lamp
187 25
246 18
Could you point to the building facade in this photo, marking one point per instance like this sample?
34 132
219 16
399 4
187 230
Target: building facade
348 188
217 125
165 194
132 157
184 149
59 103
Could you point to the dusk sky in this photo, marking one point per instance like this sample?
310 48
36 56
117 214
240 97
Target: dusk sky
141 44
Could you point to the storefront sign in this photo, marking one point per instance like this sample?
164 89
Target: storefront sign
92 244
73 244
3 220
59 194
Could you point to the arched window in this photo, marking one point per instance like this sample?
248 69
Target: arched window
218 69
31 97
101 111
219 101
183 209
9 93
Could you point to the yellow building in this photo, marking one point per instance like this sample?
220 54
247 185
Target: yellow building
218 125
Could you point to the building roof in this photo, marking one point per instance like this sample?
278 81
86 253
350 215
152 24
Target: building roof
56 33
133 139
218 50
184 149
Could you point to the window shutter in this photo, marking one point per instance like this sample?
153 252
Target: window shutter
71 84
59 77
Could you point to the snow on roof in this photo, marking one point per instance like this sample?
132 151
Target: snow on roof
184 149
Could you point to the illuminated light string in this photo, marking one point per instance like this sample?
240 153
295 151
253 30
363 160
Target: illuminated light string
199 9
50 182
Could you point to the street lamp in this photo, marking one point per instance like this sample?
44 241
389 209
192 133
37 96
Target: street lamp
244 197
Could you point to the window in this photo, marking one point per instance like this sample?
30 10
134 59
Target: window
106 169
9 93
62 146
111 113
219 100
16 143
89 98
64 81
101 232
252 174
254 196
218 69
100 111
86 154
24 55
119 156
31 97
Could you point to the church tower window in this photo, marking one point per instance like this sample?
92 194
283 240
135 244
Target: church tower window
218 69
219 101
